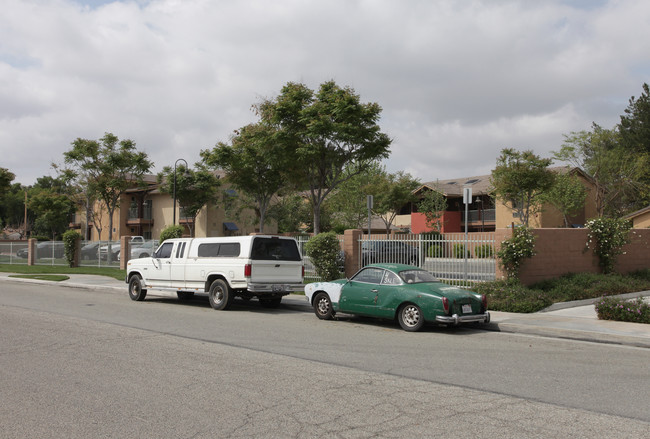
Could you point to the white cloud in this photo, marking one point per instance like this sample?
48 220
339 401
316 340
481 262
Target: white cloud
458 80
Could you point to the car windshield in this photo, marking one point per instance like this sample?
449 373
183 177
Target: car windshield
417 276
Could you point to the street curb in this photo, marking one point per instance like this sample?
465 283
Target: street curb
571 334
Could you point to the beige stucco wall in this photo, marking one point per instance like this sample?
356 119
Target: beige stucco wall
549 216
209 221
641 221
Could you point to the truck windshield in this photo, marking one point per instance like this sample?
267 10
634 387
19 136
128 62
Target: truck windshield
275 249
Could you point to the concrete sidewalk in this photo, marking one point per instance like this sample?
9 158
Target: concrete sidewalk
570 320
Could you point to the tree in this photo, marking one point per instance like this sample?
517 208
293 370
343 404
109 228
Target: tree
320 133
567 195
12 207
635 124
6 178
291 212
617 175
108 167
194 188
391 192
251 164
634 132
433 204
52 211
519 179
349 201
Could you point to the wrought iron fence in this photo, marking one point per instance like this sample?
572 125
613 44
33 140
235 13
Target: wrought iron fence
451 257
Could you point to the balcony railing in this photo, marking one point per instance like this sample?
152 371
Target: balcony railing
477 216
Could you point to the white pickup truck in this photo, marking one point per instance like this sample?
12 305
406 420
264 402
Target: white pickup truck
266 267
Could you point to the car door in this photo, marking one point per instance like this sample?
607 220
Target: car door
160 276
360 294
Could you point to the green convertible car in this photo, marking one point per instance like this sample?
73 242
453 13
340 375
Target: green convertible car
393 291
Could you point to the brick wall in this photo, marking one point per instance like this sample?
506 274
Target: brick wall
562 251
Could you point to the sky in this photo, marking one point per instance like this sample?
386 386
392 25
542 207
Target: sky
457 80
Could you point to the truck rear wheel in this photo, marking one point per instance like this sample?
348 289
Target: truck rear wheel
220 295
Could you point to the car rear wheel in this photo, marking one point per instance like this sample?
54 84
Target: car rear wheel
410 317
220 295
323 306
136 292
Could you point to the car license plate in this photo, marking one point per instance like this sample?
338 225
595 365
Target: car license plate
467 309
278 288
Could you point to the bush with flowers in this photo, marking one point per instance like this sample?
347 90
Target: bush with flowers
606 237
636 311
515 250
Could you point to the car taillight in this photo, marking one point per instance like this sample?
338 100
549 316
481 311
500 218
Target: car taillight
445 305
248 269
484 301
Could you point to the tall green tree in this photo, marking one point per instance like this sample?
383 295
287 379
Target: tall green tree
320 133
567 195
6 178
634 130
251 164
519 179
194 188
107 167
617 175
391 192
635 123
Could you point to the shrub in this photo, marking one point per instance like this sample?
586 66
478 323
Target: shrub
323 250
512 296
435 251
607 236
432 244
70 245
459 251
514 250
484 251
171 232
636 311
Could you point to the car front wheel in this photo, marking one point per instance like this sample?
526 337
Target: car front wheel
136 292
323 306
410 317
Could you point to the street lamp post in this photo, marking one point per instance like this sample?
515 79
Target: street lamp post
174 195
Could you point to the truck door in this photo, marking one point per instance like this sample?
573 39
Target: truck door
177 270
161 274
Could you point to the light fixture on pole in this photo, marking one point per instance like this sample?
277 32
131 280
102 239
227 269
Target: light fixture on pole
174 194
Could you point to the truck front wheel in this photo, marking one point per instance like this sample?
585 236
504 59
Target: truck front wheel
136 292
220 295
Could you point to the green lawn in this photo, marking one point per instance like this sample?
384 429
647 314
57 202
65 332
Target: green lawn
115 273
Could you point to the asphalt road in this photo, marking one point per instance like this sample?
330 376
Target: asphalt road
80 363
